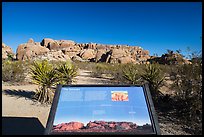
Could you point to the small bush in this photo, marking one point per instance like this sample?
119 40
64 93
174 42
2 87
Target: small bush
13 71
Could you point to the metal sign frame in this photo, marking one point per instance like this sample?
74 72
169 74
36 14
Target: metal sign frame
149 102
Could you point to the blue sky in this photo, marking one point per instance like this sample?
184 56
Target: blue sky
154 26
90 104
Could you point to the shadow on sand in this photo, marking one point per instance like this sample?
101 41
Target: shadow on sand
19 93
22 126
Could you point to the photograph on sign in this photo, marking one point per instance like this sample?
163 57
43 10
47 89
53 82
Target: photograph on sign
102 109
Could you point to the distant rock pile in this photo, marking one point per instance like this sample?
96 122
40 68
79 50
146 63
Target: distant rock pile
7 51
170 59
69 50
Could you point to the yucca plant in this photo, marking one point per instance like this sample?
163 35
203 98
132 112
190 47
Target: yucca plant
131 74
154 76
44 75
66 71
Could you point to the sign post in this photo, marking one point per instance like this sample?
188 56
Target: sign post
102 109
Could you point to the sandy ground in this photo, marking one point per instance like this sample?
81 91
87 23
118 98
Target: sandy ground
17 102
14 106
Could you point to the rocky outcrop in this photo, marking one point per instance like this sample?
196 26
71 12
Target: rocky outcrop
30 50
67 49
93 52
169 58
7 52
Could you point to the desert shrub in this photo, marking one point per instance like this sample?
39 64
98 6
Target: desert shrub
98 70
155 78
13 71
113 71
10 57
66 71
102 68
44 75
188 94
118 74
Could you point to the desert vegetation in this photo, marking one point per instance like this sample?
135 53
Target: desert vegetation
13 72
176 88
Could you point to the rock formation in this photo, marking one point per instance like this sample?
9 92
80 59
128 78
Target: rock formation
66 49
30 50
7 52
69 50
170 58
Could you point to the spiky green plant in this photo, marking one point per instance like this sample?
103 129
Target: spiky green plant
44 75
131 74
154 76
66 71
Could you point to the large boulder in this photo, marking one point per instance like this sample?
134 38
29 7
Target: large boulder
66 43
60 44
6 51
116 54
53 45
125 60
28 51
87 54
101 55
77 58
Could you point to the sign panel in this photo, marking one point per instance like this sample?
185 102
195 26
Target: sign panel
95 109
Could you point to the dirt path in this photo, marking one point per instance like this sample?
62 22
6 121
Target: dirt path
85 78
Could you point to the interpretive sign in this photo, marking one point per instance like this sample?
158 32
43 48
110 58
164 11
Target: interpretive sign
102 109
